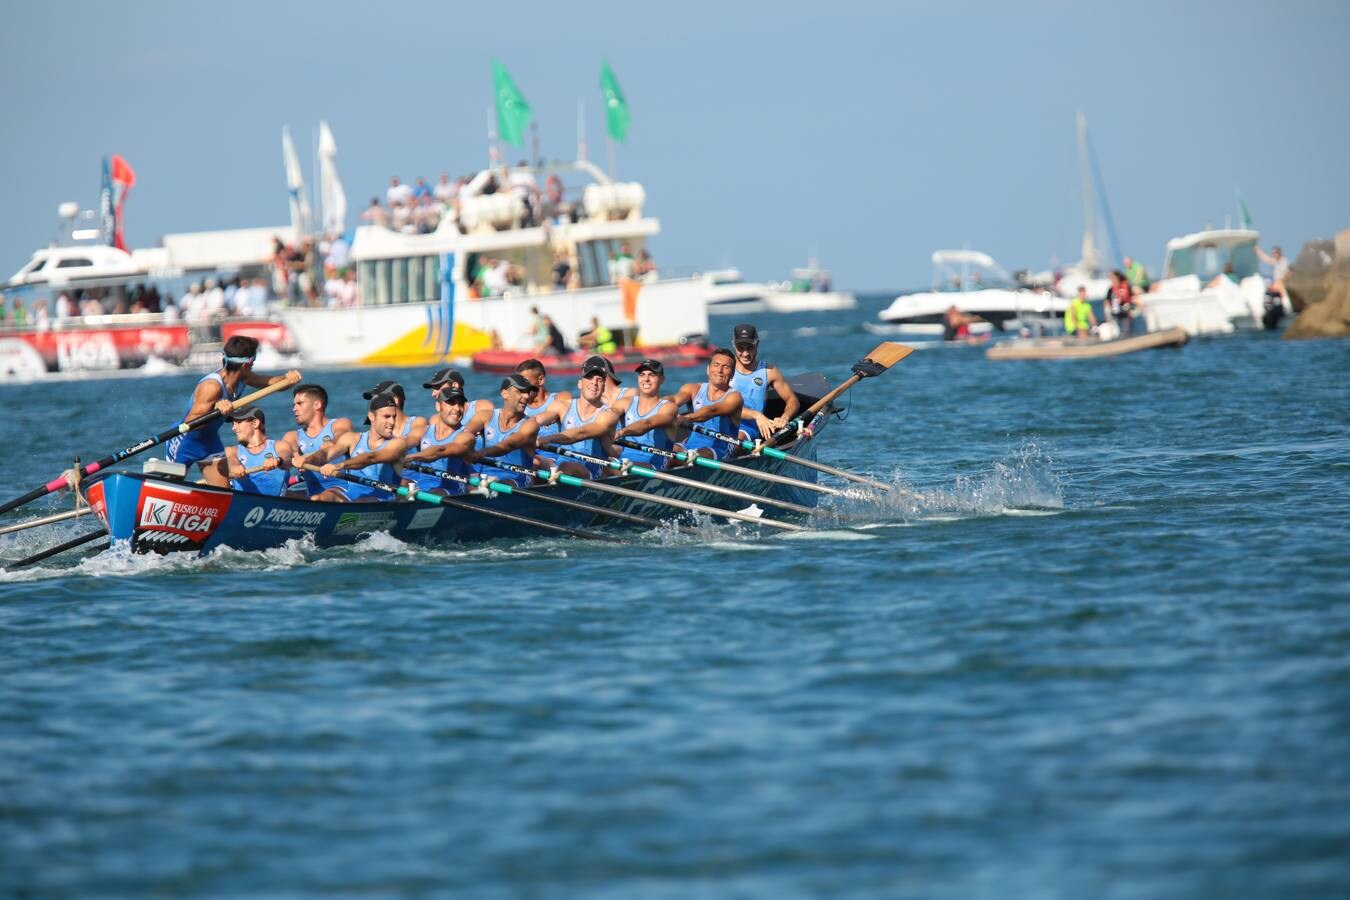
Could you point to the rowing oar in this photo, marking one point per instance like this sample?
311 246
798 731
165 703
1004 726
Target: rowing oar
60 548
626 467
688 456
64 480
438 500
873 364
759 448
509 489
46 520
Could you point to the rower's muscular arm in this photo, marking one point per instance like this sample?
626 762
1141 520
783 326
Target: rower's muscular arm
663 417
601 426
343 444
254 379
391 451
791 405
524 437
204 399
730 405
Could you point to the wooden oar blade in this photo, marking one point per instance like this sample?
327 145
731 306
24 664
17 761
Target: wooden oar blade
889 353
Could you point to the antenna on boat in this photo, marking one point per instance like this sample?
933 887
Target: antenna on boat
581 129
534 145
492 137
1089 250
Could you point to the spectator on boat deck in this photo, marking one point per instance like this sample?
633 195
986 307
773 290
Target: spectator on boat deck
139 307
400 217
1136 274
620 264
422 191
64 308
338 253
1279 272
169 310
374 214
557 344
496 280
1227 273
1121 302
190 303
215 298
1079 319
562 270
598 338
445 191
645 267
41 321
539 334
427 215
398 192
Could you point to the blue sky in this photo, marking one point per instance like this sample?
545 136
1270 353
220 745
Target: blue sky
866 134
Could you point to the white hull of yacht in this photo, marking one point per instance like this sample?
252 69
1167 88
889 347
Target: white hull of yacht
1005 309
1222 309
422 334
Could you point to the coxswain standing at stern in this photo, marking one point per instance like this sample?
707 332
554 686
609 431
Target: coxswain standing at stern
714 402
752 380
372 454
218 391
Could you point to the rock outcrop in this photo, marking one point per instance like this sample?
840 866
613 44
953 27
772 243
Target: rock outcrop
1319 285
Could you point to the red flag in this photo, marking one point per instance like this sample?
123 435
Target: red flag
122 173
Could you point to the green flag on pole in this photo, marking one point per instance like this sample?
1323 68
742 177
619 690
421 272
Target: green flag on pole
1245 216
616 107
513 113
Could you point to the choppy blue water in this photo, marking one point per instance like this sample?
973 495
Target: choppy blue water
1106 653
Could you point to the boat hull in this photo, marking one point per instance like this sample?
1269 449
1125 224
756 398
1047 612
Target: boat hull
153 514
923 313
1068 348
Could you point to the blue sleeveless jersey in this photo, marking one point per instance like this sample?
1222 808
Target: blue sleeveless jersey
657 438
494 434
379 471
533 411
754 388
201 443
591 446
271 483
722 423
316 483
407 428
452 464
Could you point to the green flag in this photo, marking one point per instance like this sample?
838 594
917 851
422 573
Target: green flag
616 108
513 113
1245 216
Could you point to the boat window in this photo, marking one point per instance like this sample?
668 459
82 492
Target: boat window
35 266
73 262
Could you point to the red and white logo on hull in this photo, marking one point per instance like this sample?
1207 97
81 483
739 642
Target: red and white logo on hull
169 517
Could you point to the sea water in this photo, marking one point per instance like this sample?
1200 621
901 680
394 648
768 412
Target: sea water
1096 642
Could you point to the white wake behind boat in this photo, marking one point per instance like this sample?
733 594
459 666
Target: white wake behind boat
977 286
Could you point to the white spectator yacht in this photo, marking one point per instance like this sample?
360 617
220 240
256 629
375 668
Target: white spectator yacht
976 285
1195 294
422 301
728 293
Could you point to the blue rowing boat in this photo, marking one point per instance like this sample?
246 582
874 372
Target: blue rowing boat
159 514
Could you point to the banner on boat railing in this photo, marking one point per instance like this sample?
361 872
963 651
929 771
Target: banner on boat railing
93 349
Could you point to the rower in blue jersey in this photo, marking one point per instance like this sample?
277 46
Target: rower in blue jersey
713 403
258 465
406 424
587 424
373 454
509 434
446 444
544 407
645 417
443 378
314 430
752 379
218 391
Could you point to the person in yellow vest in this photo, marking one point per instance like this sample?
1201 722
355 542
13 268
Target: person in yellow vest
599 338
1079 319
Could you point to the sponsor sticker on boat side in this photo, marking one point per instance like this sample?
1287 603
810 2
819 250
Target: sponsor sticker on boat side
365 523
425 518
169 517
279 519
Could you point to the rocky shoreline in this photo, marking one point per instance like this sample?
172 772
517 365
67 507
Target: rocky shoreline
1319 289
